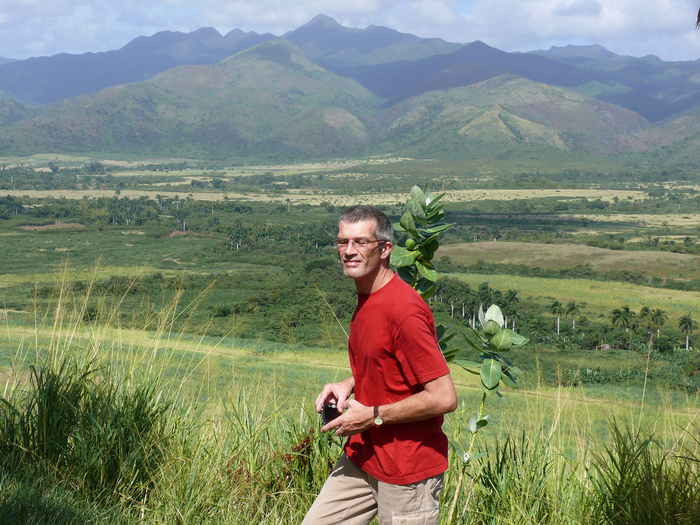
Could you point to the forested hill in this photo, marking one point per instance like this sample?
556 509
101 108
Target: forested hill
325 90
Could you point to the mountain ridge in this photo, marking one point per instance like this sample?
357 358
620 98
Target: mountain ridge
325 90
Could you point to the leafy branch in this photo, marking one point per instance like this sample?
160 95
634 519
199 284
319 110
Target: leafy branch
491 340
412 259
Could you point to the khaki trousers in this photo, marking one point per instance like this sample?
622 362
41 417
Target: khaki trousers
352 497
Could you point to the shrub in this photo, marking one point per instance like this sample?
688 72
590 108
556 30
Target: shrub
75 422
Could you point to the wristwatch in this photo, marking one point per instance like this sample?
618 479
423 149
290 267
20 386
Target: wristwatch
377 418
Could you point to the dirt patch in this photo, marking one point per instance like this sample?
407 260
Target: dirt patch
55 226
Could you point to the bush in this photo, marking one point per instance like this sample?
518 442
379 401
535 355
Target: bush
75 423
639 483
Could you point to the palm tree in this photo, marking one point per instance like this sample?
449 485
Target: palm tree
573 311
658 319
686 325
485 294
475 230
557 309
471 306
623 317
511 306
497 298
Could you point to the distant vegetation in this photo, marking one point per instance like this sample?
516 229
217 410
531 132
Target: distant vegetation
253 249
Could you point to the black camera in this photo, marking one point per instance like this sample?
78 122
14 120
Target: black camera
329 413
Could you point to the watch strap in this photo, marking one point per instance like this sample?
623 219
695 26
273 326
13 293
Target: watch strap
377 418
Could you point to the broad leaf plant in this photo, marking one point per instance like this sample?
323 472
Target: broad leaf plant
413 260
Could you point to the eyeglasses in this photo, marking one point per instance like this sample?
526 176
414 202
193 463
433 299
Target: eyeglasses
357 243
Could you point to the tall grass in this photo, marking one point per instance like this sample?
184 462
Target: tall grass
97 426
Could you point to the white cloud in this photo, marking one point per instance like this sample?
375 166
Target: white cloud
587 8
626 26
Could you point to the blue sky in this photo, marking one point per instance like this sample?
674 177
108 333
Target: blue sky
665 28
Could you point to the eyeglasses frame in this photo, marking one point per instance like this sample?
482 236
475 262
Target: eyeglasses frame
346 244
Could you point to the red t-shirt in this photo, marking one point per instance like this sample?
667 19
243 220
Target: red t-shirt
393 352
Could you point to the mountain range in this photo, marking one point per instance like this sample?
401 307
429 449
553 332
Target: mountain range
324 90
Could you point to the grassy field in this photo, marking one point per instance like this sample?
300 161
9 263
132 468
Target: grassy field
242 442
686 220
598 298
559 256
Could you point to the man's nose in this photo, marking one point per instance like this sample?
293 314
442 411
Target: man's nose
350 249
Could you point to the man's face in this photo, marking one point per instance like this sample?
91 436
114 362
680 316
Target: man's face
360 262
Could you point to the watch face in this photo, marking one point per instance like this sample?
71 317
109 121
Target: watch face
378 421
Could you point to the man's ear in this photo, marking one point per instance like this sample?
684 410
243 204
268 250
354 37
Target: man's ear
386 249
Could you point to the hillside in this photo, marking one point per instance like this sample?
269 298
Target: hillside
648 85
268 100
324 91
512 110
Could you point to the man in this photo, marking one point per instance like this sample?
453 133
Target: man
396 452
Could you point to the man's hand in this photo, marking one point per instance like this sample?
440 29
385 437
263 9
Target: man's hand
337 393
355 419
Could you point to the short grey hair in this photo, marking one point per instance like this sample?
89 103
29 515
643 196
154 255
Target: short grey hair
384 230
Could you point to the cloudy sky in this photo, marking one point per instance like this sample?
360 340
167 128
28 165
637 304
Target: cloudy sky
665 28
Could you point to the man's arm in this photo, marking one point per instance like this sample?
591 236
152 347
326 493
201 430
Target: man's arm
438 397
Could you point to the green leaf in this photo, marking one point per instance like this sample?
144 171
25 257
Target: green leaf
442 335
490 391
437 229
491 373
516 338
416 210
428 240
475 424
400 256
470 366
426 288
406 273
514 371
449 353
509 380
408 224
417 193
425 268
492 327
433 204
434 216
470 341
501 341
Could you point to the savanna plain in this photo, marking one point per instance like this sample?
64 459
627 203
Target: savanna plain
167 325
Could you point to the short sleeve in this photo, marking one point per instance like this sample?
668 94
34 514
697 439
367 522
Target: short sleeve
417 350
